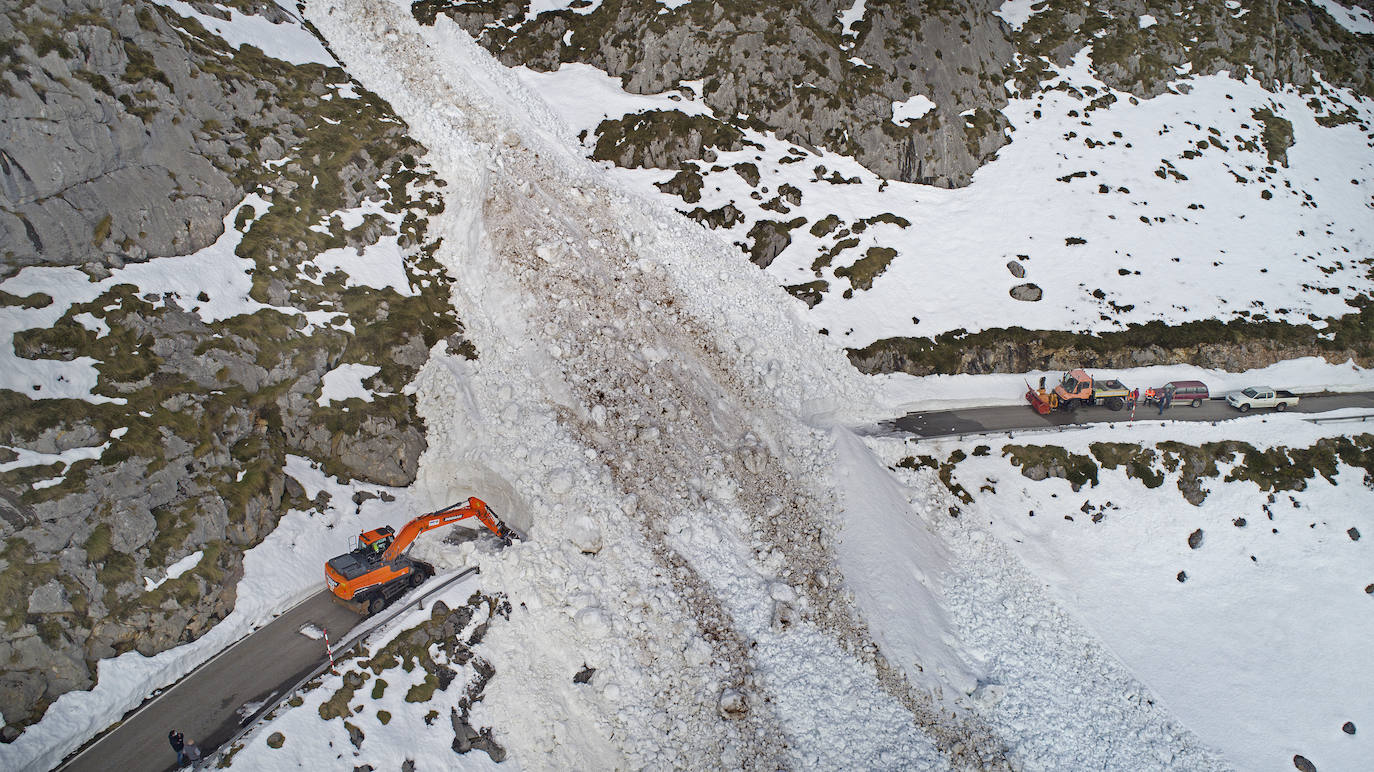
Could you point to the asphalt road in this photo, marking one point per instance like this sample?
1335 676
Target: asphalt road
207 706
947 423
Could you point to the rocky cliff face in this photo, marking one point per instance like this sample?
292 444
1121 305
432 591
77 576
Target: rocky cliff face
1280 42
1235 347
791 68
131 133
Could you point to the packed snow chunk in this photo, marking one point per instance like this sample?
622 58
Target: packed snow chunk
311 631
782 592
346 382
585 534
175 570
911 109
560 482
784 617
698 652
593 621
1147 21
733 704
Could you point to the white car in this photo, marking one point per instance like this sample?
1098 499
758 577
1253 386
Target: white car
1261 396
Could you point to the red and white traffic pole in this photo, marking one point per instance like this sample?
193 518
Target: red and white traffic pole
330 651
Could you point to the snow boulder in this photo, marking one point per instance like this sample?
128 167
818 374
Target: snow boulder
585 534
732 704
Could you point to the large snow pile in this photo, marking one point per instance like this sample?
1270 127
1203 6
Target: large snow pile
659 421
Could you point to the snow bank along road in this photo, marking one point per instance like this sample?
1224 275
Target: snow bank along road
948 423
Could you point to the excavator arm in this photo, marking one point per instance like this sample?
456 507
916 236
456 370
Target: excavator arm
473 507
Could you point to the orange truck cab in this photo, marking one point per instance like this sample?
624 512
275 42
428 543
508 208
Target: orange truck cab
1076 385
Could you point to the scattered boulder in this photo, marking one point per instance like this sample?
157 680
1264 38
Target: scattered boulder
463 733
1348 727
355 735
584 675
1238 522
1028 292
1195 539
1303 764
49 598
484 742
1017 270
1182 577
1354 534
276 740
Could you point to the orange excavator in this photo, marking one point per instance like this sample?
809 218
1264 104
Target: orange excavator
378 571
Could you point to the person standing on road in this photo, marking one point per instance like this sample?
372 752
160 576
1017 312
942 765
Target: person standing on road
179 745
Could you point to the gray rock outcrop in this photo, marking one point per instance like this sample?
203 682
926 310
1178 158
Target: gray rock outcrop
131 133
750 58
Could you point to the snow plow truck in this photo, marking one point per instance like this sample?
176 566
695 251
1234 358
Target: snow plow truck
1076 390
378 570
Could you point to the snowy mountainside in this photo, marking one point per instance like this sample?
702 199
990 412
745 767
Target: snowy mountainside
1205 169
678 482
720 573
202 232
1165 209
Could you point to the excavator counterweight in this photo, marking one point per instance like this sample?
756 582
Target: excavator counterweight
368 578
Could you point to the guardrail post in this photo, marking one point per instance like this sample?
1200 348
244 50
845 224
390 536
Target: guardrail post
330 651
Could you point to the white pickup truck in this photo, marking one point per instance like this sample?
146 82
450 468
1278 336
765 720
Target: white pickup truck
1261 396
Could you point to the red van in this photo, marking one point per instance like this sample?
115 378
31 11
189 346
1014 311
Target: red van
1192 392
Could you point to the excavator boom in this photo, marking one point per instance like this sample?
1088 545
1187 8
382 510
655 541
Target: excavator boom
473 507
379 570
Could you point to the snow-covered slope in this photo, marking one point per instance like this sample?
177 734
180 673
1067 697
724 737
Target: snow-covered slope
746 582
654 414
1119 210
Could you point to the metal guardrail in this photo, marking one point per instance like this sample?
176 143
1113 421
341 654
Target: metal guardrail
354 637
1337 419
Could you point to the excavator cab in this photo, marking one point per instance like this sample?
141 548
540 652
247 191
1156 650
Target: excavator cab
375 542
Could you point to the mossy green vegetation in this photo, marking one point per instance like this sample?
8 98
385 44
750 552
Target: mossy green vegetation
943 469
1274 469
1040 461
662 139
1277 136
337 706
867 268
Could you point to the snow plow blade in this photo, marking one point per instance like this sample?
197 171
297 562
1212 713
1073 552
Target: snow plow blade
1038 400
